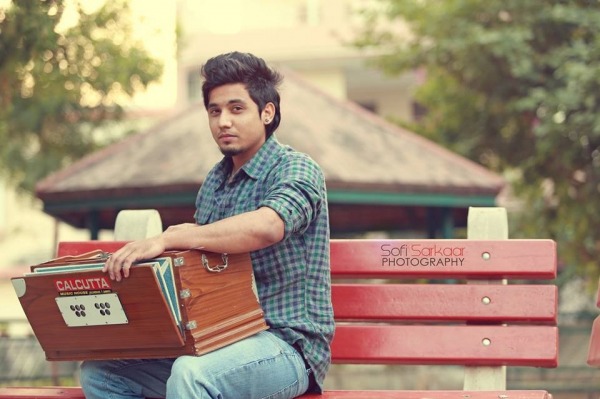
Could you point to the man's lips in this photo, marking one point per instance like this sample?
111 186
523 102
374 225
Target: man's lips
226 137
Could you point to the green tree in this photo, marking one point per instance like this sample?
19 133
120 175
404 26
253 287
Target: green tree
61 83
514 85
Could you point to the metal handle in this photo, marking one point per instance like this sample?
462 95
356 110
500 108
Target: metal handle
215 269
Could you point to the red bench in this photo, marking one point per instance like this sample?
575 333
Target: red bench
389 311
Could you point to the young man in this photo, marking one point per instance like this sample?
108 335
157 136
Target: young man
263 198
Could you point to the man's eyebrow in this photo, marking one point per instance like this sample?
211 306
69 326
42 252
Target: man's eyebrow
229 102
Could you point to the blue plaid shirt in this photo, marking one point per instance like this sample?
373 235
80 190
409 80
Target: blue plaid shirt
292 276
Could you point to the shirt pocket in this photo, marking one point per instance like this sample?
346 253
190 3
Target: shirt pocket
204 214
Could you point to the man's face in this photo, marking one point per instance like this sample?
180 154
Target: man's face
235 123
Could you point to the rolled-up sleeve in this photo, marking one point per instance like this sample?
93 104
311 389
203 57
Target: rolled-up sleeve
296 193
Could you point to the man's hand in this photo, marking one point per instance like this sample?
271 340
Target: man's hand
121 261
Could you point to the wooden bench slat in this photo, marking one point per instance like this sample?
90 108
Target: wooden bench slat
430 395
532 259
363 258
41 392
433 344
77 393
524 303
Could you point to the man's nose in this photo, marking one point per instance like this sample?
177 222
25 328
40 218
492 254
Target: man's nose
225 119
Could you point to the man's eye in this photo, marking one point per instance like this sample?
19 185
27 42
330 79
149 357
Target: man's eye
213 112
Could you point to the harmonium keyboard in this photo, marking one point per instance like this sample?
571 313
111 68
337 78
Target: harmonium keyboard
180 303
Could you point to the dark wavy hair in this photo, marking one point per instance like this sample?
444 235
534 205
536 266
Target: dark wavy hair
260 80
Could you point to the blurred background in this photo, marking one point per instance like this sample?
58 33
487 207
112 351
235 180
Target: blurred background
416 111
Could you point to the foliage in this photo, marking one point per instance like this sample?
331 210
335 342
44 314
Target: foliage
514 85
60 83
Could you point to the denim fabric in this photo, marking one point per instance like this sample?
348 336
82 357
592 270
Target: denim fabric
261 366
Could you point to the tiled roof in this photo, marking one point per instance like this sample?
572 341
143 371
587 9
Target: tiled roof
358 148
358 151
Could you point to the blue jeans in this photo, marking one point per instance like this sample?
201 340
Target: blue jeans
261 366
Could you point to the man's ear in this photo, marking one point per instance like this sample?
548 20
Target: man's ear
268 113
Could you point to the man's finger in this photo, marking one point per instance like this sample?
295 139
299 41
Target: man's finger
125 268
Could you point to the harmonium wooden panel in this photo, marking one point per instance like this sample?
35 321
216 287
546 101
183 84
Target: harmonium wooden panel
182 302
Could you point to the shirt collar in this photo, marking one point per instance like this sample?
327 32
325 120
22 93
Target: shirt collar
256 165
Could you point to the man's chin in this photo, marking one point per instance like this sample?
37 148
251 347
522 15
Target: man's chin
230 151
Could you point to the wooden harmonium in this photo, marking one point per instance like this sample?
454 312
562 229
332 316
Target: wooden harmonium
180 303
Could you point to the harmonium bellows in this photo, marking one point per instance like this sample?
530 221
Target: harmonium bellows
180 303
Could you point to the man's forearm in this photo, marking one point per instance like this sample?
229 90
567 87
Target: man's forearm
241 233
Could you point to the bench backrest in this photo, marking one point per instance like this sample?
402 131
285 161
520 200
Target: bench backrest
409 319
447 302
391 311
